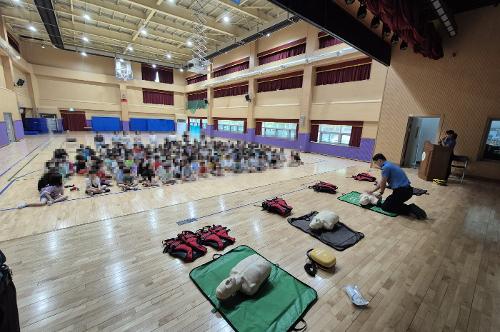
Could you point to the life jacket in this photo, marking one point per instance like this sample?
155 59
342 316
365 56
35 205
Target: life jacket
364 177
324 187
278 206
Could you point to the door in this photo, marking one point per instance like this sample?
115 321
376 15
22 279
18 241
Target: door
10 126
181 127
194 126
420 130
74 121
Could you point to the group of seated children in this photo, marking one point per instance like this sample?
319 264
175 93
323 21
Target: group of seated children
130 164
154 165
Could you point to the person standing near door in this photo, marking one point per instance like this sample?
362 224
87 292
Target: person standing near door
449 141
394 177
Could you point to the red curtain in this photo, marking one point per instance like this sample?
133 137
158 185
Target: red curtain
313 135
258 128
231 69
157 97
328 40
196 79
231 91
283 54
280 84
74 121
342 75
166 75
200 95
355 136
216 124
148 74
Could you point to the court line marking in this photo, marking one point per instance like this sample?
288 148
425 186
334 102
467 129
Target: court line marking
8 169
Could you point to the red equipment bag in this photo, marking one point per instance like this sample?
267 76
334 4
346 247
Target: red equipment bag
325 187
364 177
278 206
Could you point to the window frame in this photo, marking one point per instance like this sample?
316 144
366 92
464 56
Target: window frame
339 133
291 133
229 127
487 130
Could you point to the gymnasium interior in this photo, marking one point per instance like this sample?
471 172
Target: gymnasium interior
240 165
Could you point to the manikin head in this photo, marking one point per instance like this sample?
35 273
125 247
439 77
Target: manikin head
378 160
228 288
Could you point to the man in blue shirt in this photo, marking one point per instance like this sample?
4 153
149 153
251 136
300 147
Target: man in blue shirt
402 191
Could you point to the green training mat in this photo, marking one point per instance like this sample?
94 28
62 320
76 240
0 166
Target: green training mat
353 198
279 305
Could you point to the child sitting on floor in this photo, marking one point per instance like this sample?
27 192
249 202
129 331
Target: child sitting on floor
203 171
93 184
50 194
129 182
187 173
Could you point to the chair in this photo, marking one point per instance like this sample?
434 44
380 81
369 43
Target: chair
460 162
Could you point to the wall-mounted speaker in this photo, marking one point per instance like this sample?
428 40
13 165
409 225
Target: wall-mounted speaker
20 82
247 98
206 101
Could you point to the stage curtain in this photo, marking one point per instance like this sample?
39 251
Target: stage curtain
283 54
326 41
313 135
280 84
148 74
231 91
342 75
355 136
196 79
157 97
231 69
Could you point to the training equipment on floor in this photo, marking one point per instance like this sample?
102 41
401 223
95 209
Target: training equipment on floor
324 187
278 206
279 305
353 198
355 296
184 247
368 199
364 177
320 258
324 220
440 182
246 277
339 238
215 236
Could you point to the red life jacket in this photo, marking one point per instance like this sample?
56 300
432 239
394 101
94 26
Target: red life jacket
325 187
364 177
278 206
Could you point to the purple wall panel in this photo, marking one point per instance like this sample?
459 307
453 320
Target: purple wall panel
282 143
19 129
209 130
4 137
125 126
250 135
226 134
304 142
363 152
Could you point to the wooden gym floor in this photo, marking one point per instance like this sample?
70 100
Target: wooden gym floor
97 263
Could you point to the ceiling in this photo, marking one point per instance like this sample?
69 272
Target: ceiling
141 30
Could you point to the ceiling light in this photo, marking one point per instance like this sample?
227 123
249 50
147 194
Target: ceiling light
169 56
182 69
153 65
403 46
436 4
452 33
394 39
349 2
144 32
121 60
43 46
18 57
189 43
362 11
268 35
83 53
226 19
32 28
130 48
86 16
375 22
85 39
171 1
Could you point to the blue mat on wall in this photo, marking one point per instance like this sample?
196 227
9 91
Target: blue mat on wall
101 123
139 124
38 125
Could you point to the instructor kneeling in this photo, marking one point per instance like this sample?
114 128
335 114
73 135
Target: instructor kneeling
394 177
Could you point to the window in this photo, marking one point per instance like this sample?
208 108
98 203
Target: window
196 122
196 79
357 70
280 130
204 123
231 90
492 145
334 134
281 82
282 52
232 67
157 97
157 74
234 126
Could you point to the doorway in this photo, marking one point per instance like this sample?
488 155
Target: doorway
419 130
52 123
74 120
10 127
181 127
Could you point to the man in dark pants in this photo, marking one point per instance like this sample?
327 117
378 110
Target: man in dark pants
402 191
9 317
